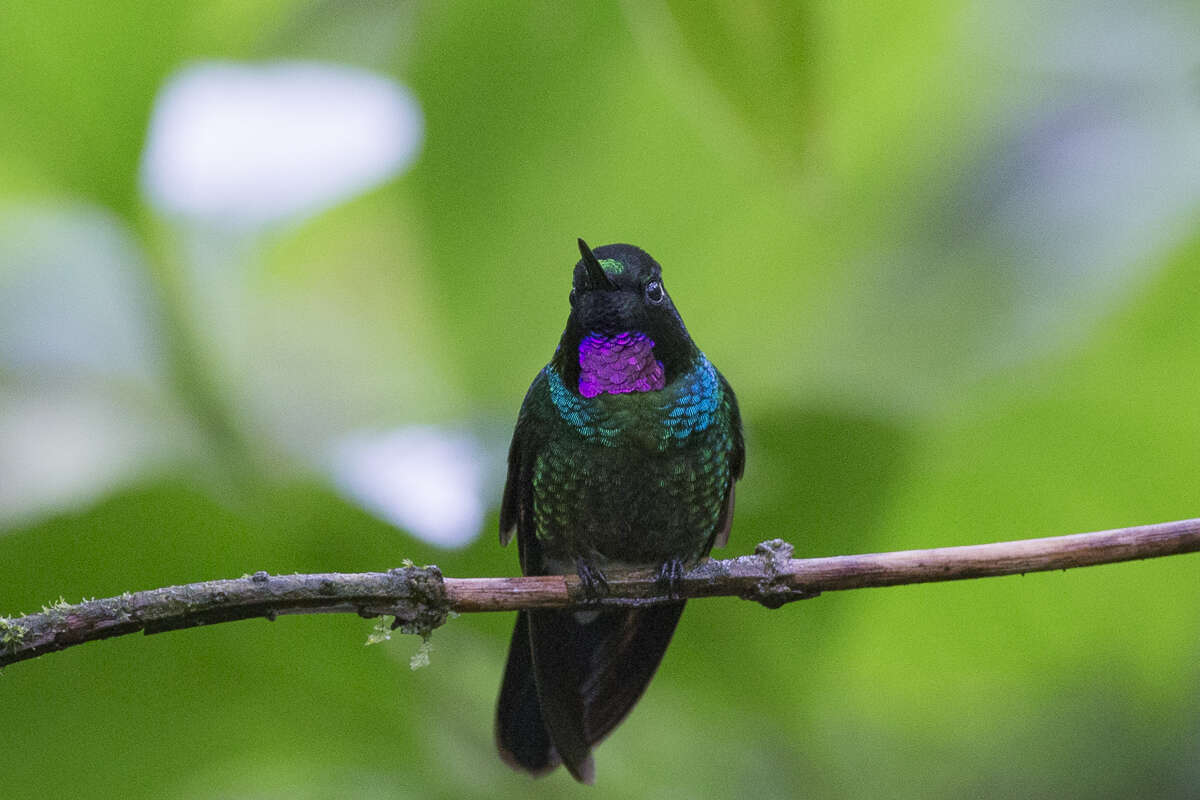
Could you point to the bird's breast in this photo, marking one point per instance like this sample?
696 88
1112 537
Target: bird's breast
657 420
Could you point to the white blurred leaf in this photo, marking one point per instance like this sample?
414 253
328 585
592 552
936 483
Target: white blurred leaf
72 295
245 144
427 481
83 404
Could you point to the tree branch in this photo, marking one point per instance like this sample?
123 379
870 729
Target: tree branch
421 599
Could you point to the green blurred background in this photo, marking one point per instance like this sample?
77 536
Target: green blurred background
947 253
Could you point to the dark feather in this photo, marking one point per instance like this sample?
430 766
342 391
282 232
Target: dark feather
590 674
737 457
521 735
737 466
720 536
624 664
517 503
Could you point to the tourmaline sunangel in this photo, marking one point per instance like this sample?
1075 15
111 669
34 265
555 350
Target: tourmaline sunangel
625 454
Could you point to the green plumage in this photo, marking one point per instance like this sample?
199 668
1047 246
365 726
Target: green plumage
631 493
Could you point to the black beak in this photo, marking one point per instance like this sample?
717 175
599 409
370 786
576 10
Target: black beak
597 277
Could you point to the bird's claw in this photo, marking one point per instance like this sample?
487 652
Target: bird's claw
594 584
670 577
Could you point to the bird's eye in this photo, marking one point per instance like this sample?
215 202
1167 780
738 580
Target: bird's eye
654 292
571 297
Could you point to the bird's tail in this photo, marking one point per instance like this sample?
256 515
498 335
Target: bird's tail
572 676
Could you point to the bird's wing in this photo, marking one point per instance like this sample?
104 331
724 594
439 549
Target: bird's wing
737 462
516 509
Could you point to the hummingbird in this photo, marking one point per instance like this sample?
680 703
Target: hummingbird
625 454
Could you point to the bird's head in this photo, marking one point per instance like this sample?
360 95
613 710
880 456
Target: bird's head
618 289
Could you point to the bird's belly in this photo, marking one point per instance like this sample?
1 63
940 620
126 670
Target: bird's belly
628 506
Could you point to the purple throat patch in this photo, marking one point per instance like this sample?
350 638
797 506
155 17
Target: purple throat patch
618 364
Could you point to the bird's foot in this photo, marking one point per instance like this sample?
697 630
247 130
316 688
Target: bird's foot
595 585
670 577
